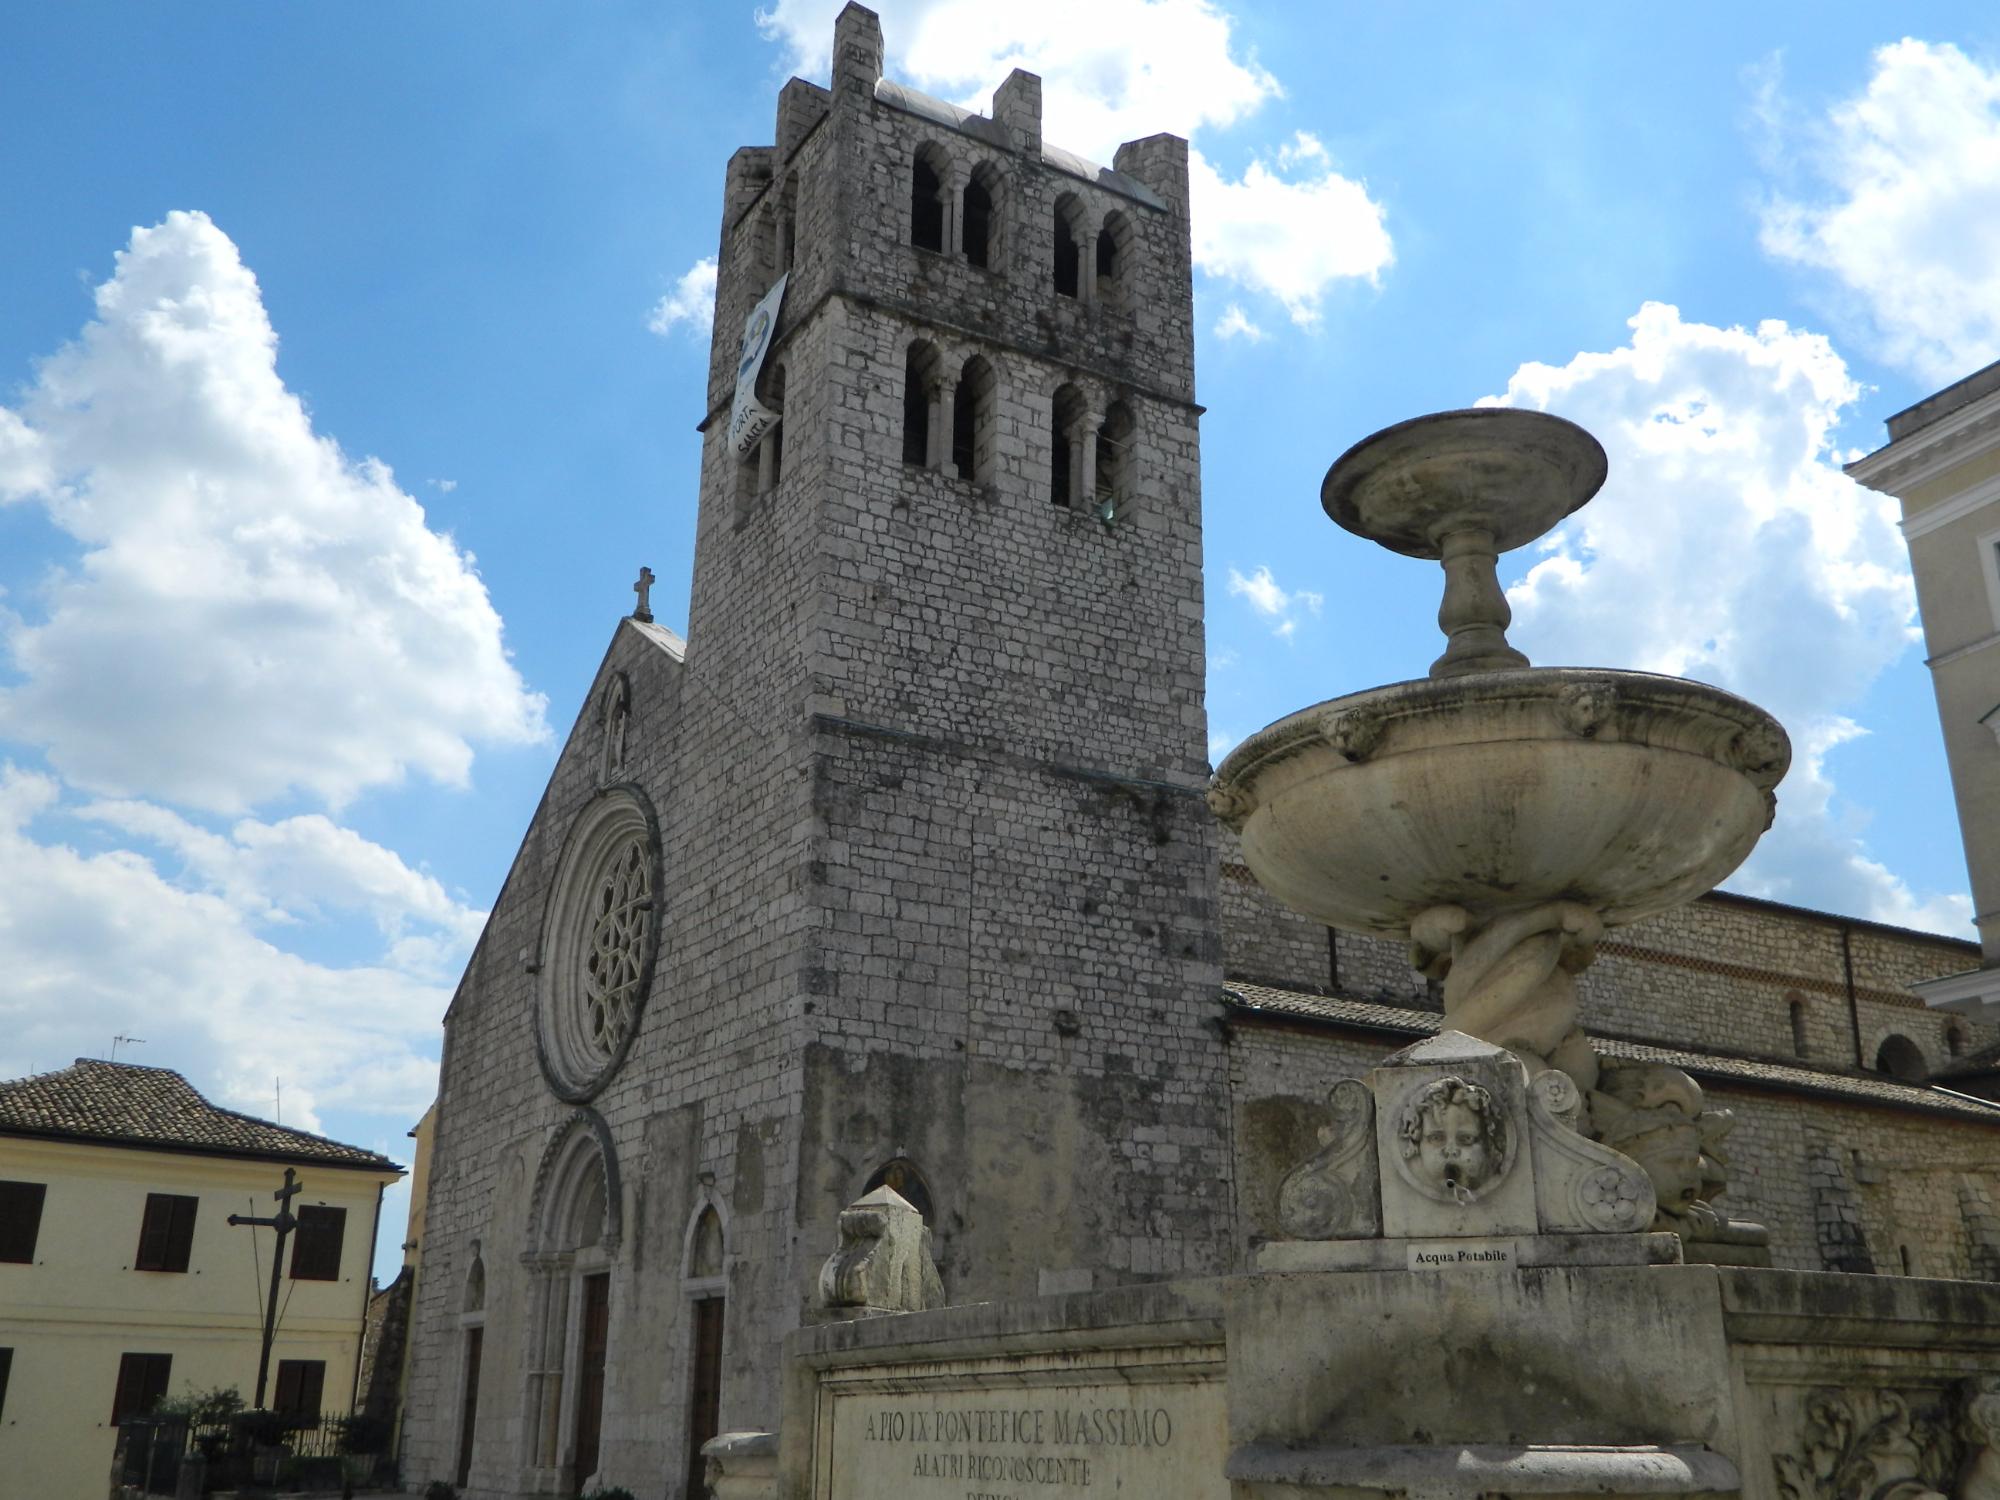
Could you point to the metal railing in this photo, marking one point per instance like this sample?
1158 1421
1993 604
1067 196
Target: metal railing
255 1448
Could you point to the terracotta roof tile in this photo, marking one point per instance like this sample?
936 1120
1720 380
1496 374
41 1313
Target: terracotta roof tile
156 1108
1855 1088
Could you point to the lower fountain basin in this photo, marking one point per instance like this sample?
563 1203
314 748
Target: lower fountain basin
1625 792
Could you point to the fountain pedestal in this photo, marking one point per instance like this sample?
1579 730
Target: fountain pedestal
1500 817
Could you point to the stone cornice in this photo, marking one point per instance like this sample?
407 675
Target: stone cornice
1981 495
1929 451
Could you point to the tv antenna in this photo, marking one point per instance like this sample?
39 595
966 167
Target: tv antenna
125 1041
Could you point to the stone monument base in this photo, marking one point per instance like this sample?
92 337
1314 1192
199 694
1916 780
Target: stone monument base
1479 1379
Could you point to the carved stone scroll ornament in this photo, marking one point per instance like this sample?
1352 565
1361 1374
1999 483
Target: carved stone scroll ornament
1580 1186
1337 1193
1872 1445
1512 981
883 1263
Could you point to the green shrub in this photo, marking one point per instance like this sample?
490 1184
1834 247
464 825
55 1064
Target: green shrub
364 1434
267 1429
203 1408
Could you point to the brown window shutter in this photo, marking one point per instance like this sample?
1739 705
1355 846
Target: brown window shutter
167 1233
316 1250
142 1385
20 1220
180 1233
301 1384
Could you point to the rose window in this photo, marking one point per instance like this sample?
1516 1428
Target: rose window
599 943
618 948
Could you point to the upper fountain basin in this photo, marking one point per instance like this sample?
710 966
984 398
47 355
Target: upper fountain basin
1498 469
1626 792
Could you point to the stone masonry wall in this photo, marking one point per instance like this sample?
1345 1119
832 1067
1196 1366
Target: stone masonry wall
1721 974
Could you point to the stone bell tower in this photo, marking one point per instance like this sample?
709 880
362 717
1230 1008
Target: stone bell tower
897 872
946 655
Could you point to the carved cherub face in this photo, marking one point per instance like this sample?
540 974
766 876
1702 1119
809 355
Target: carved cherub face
1451 1137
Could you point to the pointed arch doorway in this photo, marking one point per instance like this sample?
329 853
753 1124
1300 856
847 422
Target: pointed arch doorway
577 1214
704 1279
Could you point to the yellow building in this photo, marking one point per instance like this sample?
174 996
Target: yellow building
121 1280
1942 462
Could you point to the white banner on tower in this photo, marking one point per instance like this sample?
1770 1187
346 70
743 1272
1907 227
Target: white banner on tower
749 418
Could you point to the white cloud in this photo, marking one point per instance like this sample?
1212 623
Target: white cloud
1289 228
1907 215
1274 602
252 611
1235 323
1304 147
691 302
1219 741
1290 238
442 486
96 944
302 868
1098 87
1728 546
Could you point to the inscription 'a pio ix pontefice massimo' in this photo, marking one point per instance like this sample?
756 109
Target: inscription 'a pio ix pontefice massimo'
989 1445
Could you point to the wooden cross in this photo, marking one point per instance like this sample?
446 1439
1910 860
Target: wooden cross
284 1221
644 588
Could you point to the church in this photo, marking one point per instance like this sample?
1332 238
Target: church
898 869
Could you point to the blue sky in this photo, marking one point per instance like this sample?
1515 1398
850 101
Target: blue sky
350 359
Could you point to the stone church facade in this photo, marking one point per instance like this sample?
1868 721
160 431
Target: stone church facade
898 869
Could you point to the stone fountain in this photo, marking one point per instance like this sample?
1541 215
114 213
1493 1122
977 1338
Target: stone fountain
1502 817
1482 1288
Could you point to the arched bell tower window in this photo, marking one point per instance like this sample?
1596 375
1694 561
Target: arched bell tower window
1066 417
928 171
1068 245
788 222
978 219
773 456
972 421
1112 490
920 373
1795 1003
1113 248
900 1174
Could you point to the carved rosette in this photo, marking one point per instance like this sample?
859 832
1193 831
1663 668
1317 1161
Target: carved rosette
1580 1184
